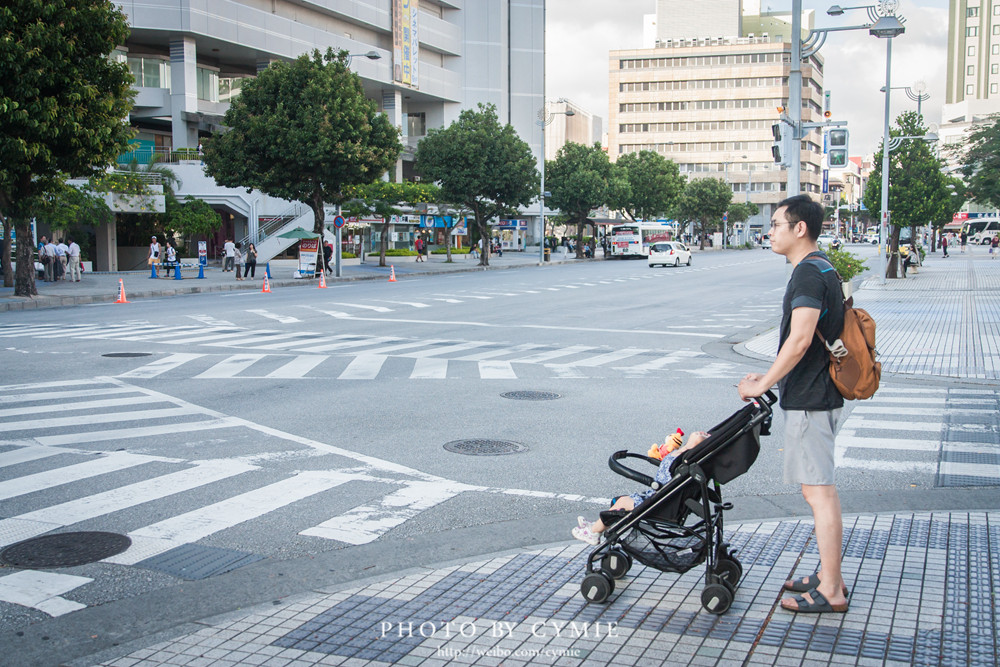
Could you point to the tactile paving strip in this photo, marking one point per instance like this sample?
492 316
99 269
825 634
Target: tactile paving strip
193 561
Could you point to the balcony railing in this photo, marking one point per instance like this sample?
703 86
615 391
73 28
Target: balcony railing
161 155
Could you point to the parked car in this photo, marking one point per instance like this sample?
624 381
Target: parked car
671 253
830 240
765 242
872 238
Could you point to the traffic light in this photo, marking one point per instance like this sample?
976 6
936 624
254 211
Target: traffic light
837 154
777 145
826 105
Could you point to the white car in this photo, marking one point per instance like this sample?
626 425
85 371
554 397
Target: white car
828 241
765 242
670 253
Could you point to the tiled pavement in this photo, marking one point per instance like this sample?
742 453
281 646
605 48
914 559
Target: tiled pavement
922 588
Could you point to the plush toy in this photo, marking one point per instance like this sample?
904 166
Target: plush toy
673 441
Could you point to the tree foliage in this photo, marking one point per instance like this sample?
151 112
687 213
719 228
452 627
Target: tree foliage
980 159
384 200
191 217
63 106
918 192
578 179
704 201
480 165
303 131
645 185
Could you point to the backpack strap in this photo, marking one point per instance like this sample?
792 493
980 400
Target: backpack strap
837 349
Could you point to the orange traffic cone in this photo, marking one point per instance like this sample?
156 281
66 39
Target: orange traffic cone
322 279
121 292
267 286
392 273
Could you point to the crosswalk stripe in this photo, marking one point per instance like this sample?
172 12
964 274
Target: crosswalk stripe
567 372
917 412
130 332
413 304
481 356
343 345
71 473
75 393
254 340
299 339
100 418
847 439
298 367
553 354
171 331
990 470
168 430
496 370
404 346
214 337
284 319
366 523
42 591
377 309
918 425
446 349
161 366
41 521
82 405
200 523
25 454
231 366
429 369
656 364
363 367
607 358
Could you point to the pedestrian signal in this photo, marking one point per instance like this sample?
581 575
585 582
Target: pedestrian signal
837 141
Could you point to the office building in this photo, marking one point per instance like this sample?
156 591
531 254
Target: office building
582 127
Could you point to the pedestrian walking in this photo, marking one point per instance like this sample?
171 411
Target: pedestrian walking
810 400
154 253
171 253
944 245
418 245
251 262
327 255
993 247
47 256
238 260
74 261
964 238
62 255
229 248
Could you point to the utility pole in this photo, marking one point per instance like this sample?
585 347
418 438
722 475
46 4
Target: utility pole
795 102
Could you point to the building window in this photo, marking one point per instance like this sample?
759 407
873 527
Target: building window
971 51
208 85
971 31
972 12
995 49
149 72
230 87
970 70
996 10
994 69
416 124
996 30
993 89
969 90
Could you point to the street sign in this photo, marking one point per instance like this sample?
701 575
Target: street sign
338 221
725 217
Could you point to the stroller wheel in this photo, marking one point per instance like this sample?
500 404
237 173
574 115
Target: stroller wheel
597 587
616 564
729 571
716 599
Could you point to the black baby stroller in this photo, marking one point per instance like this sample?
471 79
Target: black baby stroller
657 534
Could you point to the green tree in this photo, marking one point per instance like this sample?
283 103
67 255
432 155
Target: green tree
63 107
645 185
480 165
979 156
191 217
578 179
918 192
303 131
704 201
384 200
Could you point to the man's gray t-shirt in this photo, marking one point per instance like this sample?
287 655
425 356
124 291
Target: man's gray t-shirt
814 284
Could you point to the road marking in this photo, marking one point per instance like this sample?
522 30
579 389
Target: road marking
496 370
848 440
83 405
298 367
215 337
367 523
231 366
405 346
41 521
29 453
429 369
80 420
161 366
363 367
42 591
254 340
457 347
211 321
606 358
170 430
40 481
198 524
480 356
343 345
552 354
284 319
413 304
296 339
377 309
76 393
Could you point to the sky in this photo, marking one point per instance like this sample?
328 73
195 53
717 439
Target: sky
580 33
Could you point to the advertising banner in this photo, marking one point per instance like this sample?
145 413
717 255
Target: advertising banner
203 253
405 43
307 253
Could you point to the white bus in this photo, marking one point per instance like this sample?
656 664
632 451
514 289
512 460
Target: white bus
981 230
633 240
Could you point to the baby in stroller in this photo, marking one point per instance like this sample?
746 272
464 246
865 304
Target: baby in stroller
590 532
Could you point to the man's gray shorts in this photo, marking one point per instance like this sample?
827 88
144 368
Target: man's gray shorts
809 444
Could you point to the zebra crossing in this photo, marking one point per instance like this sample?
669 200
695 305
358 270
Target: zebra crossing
96 463
951 434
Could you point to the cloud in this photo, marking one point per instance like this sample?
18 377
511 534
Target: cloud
580 34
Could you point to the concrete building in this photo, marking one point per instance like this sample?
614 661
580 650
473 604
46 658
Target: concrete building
435 58
581 128
707 100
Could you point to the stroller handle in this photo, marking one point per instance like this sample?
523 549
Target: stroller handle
624 471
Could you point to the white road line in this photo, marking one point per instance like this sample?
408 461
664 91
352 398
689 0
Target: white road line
76 393
299 339
137 333
231 366
100 418
990 470
656 364
413 304
916 412
552 354
35 386
448 300
367 523
299 366
202 522
363 367
446 349
405 346
849 440
213 337
82 405
82 331
39 481
255 340
42 591
377 309
42 521
171 331
931 426
480 356
605 358
343 345
496 370
166 431
473 296
929 401
211 321
30 453
429 369
284 319
567 372
161 366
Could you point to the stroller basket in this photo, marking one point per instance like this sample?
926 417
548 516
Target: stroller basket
680 525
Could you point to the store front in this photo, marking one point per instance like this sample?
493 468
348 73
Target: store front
437 228
513 234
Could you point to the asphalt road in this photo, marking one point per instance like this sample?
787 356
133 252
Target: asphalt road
299 436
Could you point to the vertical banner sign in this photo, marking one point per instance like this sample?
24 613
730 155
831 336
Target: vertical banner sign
307 253
405 43
203 253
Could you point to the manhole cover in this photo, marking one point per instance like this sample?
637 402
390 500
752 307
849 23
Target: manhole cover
531 395
64 550
128 354
482 447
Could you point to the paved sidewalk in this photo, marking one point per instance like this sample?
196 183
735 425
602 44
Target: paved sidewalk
103 287
921 594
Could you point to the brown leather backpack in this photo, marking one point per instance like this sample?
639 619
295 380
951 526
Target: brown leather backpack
853 367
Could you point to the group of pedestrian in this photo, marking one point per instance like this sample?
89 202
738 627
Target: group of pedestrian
60 260
235 259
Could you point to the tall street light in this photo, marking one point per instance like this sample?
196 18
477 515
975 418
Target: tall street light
544 118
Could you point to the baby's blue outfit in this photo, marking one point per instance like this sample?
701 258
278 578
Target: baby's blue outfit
661 478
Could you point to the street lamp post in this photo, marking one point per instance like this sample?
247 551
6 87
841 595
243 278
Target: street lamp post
544 118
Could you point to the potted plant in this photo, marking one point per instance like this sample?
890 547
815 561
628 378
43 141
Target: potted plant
847 265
